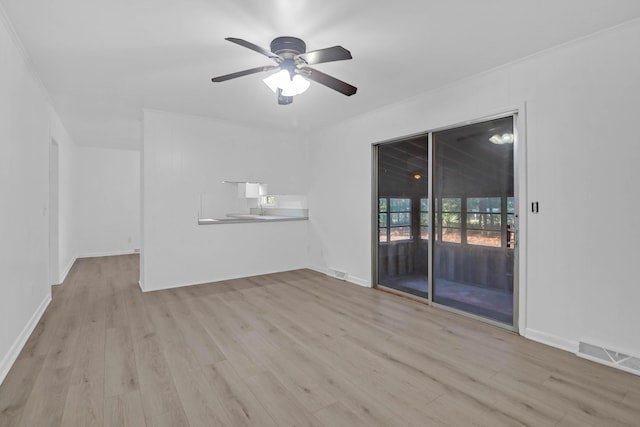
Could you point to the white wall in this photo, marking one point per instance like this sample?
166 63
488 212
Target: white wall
24 238
583 155
106 201
187 156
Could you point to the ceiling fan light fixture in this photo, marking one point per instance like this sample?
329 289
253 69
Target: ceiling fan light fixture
290 87
296 86
294 76
273 80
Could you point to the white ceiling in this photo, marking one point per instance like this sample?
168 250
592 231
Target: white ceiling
104 61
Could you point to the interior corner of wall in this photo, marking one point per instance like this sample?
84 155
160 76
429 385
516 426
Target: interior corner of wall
359 281
317 268
67 269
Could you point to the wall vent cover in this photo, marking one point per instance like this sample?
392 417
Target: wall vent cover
342 275
610 357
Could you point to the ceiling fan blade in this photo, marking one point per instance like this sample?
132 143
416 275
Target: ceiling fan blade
243 73
335 53
328 81
254 47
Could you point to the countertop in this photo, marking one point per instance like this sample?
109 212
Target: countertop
246 218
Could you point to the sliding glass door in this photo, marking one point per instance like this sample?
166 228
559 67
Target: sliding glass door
403 215
446 218
474 219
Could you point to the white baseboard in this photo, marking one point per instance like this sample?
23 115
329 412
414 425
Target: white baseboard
354 280
351 279
182 285
358 281
66 271
202 282
108 253
552 340
317 269
13 353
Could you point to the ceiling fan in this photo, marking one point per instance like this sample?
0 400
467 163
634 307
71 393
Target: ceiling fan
293 61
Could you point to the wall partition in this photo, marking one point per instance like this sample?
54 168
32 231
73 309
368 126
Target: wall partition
447 218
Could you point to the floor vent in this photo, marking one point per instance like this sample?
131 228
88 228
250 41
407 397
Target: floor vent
342 275
610 357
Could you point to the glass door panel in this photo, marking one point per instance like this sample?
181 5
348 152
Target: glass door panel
403 215
474 219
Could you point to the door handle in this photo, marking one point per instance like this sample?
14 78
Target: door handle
511 236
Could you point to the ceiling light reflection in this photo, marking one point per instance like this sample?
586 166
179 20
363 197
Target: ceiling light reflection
505 138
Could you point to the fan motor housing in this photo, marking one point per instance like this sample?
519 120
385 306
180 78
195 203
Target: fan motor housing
288 47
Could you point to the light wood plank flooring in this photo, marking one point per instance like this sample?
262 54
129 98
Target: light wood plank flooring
289 349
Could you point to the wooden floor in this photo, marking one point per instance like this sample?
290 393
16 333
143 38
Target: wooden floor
295 348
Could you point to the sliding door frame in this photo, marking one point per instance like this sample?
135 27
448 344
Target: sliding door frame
519 176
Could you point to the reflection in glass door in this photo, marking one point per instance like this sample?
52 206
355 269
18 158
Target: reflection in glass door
403 215
474 218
